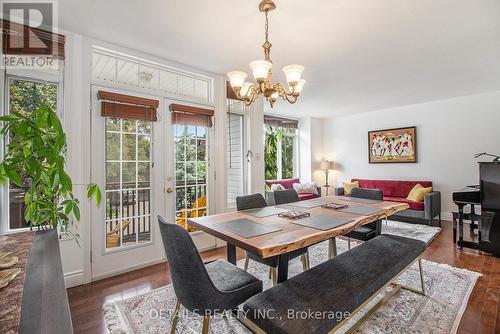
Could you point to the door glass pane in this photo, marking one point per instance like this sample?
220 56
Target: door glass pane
190 173
24 97
128 182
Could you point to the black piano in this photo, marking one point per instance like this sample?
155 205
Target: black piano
487 195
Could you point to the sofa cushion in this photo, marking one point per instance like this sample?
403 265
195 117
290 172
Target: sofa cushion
418 192
287 183
348 187
393 188
306 188
305 196
413 205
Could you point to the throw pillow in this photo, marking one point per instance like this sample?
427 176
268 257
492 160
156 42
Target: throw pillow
277 187
306 188
349 186
418 192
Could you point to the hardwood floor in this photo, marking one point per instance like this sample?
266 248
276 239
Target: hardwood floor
482 314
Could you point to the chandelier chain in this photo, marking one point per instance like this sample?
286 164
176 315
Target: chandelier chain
267 28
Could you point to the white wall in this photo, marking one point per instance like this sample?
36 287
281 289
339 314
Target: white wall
449 132
311 150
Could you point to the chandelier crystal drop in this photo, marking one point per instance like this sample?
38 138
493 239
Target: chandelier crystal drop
262 73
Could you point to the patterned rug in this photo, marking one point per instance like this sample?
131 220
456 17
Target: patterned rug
414 231
448 290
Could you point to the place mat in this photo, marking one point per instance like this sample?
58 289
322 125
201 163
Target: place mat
247 228
359 200
322 222
265 212
311 203
361 210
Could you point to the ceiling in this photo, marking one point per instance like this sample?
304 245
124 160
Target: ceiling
360 55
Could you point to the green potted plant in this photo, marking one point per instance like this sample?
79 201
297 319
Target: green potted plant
35 159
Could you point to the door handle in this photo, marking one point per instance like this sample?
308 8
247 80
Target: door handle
169 190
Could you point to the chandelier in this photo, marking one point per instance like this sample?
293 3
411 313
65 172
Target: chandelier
262 72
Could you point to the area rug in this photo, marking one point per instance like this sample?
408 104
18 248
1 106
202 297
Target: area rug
448 290
425 233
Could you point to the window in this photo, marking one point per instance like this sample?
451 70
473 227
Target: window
123 70
191 159
128 182
25 95
280 152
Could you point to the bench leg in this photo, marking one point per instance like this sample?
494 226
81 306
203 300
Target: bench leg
206 325
246 263
349 243
176 317
422 281
332 248
395 288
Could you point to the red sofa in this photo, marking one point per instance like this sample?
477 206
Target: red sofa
397 191
288 184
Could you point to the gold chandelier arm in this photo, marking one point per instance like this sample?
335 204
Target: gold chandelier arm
290 97
251 96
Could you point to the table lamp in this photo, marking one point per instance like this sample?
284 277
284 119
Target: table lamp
326 166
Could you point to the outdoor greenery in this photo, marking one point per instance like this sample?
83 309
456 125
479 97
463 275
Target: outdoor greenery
36 156
191 166
275 137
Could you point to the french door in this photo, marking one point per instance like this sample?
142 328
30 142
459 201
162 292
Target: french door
125 155
188 176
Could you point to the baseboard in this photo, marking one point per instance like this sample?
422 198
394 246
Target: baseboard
74 278
448 216
126 270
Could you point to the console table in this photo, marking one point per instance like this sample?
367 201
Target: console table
36 300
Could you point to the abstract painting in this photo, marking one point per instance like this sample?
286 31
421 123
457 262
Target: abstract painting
392 145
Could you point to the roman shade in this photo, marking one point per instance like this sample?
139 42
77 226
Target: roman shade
19 39
128 107
193 116
281 122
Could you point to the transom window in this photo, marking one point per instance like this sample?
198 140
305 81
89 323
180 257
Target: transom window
128 182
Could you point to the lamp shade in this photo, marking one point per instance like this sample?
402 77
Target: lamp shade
293 73
236 78
260 69
326 165
298 87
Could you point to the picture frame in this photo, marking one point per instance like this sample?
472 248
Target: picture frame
396 145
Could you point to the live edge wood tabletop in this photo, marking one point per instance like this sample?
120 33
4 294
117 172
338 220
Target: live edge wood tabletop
292 236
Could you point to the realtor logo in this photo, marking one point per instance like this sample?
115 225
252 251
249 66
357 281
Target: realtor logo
28 32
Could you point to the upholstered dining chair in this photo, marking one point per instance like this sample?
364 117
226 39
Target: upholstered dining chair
204 289
257 201
285 196
368 231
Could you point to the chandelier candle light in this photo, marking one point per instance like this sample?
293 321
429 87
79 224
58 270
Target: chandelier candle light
262 72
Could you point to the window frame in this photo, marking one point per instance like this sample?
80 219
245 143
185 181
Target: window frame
33 76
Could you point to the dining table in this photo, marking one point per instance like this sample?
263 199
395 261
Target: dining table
282 235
